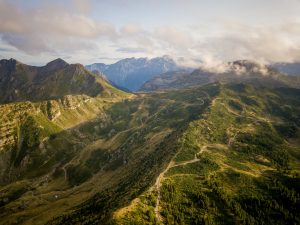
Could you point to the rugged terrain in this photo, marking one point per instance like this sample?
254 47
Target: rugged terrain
236 164
209 154
233 72
132 73
21 82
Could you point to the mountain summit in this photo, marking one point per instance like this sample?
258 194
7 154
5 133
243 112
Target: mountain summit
132 73
56 64
21 82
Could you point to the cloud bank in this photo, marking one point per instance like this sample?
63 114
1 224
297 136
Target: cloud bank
54 30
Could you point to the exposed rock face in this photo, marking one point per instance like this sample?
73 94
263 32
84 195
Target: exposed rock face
36 102
12 114
52 108
24 129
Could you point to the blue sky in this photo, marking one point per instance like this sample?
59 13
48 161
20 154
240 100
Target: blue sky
194 31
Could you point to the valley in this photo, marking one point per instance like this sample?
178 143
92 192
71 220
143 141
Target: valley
107 139
154 151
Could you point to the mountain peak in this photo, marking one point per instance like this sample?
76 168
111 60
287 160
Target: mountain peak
247 66
9 64
9 61
132 73
52 81
167 57
56 64
246 63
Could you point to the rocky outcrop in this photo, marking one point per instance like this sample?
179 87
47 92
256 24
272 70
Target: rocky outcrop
12 114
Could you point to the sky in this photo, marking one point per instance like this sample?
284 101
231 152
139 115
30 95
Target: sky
192 32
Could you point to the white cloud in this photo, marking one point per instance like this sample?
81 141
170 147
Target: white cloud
59 31
50 29
173 37
131 29
82 6
261 43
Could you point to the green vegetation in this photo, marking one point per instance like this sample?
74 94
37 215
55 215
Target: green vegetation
245 172
29 137
78 174
218 154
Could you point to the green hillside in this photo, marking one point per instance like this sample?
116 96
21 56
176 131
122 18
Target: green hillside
217 154
237 164
20 82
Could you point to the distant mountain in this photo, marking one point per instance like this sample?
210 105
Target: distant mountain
241 71
132 73
21 82
292 69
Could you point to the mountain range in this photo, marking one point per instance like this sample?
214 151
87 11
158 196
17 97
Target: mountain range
241 71
131 73
292 69
199 147
21 82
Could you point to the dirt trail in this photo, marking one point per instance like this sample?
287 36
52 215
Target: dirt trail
172 164
159 179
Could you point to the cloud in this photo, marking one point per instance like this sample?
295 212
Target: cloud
33 32
173 37
131 29
132 50
6 49
264 44
82 6
57 30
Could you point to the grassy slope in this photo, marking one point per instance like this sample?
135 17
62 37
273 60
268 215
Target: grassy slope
247 167
37 140
118 154
246 145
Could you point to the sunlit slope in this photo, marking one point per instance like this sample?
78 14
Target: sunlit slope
20 82
218 154
238 164
118 152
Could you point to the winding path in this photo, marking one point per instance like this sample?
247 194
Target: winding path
159 179
172 164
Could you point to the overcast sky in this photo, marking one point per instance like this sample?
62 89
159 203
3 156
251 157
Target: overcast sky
190 31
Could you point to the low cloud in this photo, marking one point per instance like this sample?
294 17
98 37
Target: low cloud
131 50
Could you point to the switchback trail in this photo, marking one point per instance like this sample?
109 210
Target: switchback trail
159 179
172 164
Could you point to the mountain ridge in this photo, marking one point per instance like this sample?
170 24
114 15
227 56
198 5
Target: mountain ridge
237 71
21 82
131 73
292 69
